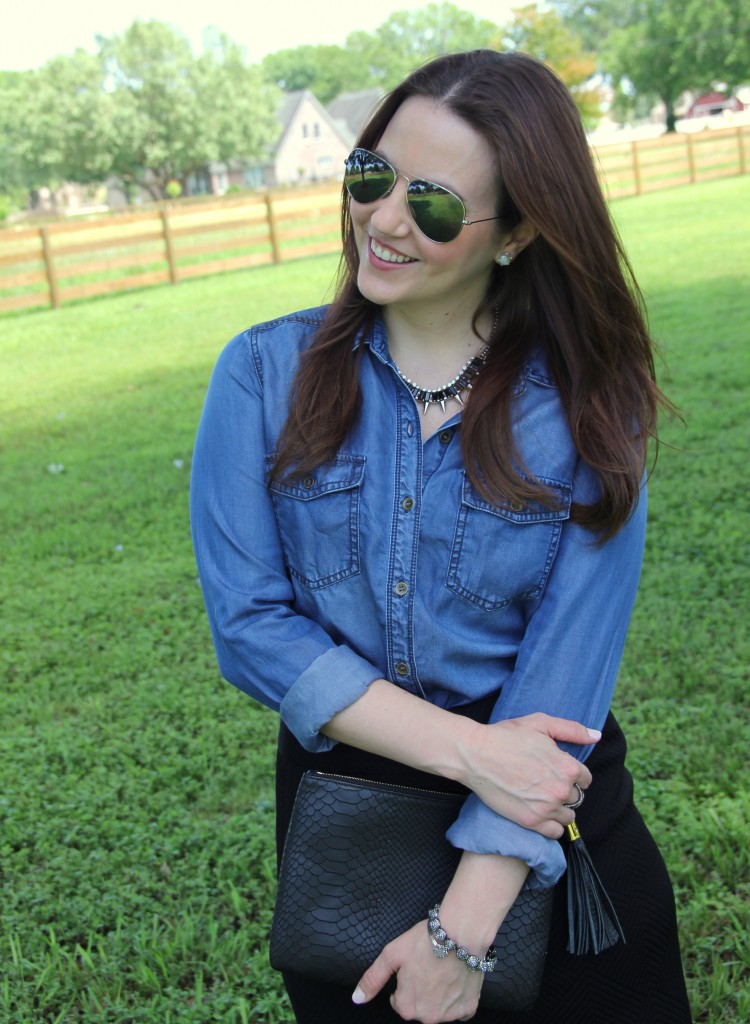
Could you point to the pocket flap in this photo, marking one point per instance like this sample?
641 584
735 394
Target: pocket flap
340 474
531 512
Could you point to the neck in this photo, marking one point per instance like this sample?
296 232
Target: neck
438 339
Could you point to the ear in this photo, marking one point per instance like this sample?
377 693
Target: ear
515 242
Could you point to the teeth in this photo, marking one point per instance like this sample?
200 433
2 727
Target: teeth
388 256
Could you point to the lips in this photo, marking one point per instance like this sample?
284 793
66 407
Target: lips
389 255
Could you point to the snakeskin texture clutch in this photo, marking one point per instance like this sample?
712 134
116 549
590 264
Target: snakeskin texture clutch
363 861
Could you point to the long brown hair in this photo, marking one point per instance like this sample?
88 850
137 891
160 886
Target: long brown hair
571 292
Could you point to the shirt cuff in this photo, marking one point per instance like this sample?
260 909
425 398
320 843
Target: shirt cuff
481 830
335 680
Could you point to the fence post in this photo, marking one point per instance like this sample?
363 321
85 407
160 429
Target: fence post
275 250
168 245
636 167
49 266
691 157
741 148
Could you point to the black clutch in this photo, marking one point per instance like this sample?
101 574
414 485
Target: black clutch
362 863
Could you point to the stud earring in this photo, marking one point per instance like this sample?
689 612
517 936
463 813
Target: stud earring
504 259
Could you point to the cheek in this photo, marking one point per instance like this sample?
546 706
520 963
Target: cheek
360 218
462 260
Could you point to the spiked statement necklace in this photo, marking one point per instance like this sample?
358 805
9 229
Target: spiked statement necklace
461 382
453 389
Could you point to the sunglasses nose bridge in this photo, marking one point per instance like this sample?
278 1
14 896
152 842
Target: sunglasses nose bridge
394 212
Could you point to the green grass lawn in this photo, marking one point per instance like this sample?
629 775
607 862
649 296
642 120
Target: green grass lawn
136 811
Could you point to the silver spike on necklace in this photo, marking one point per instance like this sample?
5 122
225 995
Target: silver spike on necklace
461 382
454 388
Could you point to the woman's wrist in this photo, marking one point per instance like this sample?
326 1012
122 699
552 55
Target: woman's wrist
481 893
443 945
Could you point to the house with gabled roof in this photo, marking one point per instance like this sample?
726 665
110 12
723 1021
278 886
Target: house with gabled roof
311 146
351 110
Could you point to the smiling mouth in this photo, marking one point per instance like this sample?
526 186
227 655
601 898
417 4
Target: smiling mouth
388 255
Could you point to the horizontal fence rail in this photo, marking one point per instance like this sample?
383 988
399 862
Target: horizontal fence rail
47 266
647 165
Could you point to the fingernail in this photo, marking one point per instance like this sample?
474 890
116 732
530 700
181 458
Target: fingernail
358 996
594 734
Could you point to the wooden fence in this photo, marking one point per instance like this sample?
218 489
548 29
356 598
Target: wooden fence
632 168
47 266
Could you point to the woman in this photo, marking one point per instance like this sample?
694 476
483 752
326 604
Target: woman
380 550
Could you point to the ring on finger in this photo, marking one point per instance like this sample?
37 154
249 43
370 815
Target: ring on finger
579 801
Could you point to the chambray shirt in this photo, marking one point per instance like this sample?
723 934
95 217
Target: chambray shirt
388 563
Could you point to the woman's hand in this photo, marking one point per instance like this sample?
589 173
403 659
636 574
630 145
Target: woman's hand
428 989
516 768
431 989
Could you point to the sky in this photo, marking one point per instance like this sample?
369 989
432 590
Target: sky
60 26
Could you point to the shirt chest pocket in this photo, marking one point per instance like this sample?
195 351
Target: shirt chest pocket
318 520
502 554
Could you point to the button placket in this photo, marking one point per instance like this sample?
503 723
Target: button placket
403 548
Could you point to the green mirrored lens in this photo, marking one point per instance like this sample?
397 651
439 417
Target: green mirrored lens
437 213
367 177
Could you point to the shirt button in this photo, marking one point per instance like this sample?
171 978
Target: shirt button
308 482
402 668
516 506
445 436
407 504
402 588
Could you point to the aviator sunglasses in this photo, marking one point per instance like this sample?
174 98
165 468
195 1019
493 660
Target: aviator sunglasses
438 213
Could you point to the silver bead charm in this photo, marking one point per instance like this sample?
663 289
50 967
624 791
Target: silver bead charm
442 946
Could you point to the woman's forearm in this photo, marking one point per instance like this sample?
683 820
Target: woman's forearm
515 767
390 722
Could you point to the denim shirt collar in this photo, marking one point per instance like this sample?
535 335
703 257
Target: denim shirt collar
375 336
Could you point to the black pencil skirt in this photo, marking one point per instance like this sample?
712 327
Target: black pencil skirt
639 982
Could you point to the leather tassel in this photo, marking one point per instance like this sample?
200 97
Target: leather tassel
593 925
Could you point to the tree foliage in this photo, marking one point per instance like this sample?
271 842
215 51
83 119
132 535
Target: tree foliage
174 113
409 38
144 110
57 123
326 71
12 189
593 20
381 58
655 53
543 34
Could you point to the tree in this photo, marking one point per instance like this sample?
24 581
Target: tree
326 71
58 123
12 191
543 34
175 114
721 44
409 38
656 53
144 110
593 20
665 47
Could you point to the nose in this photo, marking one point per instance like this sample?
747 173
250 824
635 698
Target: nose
392 215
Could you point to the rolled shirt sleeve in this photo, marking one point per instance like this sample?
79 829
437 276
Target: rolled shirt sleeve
567 666
283 659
